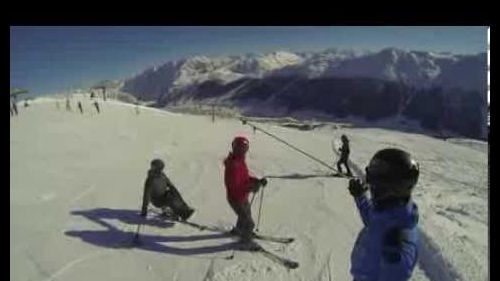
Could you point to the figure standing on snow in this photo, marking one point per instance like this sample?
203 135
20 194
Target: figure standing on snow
239 184
344 155
386 247
80 107
159 190
137 108
68 105
96 104
14 108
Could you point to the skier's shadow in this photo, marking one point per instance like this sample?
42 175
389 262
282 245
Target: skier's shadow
114 237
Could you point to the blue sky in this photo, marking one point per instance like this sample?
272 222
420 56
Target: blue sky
49 59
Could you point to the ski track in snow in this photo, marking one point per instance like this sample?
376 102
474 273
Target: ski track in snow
73 263
82 194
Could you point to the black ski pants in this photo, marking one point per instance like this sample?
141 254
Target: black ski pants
245 223
343 160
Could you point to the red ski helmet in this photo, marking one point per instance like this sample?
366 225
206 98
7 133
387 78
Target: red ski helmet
240 144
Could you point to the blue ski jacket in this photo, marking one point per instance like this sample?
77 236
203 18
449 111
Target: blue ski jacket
386 248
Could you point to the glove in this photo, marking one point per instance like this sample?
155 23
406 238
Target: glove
356 187
263 181
255 185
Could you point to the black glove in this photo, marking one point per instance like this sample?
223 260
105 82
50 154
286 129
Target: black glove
356 187
255 185
263 181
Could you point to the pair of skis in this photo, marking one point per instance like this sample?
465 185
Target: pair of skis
288 263
255 247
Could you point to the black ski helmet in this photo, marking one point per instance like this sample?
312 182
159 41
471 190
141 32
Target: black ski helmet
344 138
157 164
392 172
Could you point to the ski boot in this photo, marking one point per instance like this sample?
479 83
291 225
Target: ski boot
247 245
185 215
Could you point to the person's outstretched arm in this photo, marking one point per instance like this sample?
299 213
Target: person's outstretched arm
358 191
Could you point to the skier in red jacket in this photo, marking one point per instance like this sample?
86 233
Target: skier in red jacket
239 184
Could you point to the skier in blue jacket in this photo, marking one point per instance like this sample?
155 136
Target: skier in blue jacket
386 249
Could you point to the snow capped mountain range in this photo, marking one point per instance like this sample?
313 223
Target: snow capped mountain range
419 69
342 83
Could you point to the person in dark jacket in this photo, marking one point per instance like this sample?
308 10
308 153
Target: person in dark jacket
14 107
68 105
386 249
161 192
239 183
344 155
96 104
80 107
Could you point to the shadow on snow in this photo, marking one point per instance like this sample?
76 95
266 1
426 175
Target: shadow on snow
116 238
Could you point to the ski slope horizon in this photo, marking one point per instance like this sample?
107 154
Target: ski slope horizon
76 187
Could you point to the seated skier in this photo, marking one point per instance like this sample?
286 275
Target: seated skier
160 191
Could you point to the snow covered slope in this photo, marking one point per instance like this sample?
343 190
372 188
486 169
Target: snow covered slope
76 185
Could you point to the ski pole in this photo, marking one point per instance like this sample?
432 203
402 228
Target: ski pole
251 201
136 236
260 208
137 231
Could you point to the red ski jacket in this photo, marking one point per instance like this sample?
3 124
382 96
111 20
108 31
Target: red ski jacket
237 178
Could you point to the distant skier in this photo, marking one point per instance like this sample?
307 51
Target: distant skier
239 184
92 95
80 107
386 247
14 108
26 103
344 155
96 104
137 108
68 105
159 190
